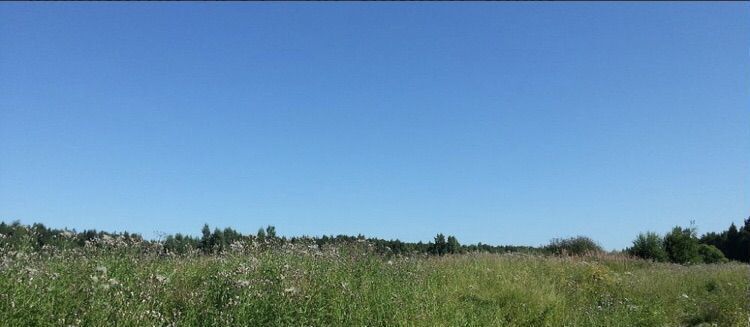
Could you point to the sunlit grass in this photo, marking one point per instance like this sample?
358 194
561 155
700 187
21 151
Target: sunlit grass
303 286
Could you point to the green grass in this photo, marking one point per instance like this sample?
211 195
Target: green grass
302 287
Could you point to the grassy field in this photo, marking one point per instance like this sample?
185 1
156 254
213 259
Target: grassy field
306 286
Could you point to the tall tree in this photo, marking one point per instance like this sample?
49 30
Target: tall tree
733 243
453 246
271 231
682 245
440 246
205 244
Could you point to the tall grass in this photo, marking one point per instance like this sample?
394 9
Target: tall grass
349 286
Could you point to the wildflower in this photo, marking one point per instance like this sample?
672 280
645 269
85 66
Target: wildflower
161 279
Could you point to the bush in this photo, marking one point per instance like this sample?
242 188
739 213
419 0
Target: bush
711 254
649 246
682 246
580 245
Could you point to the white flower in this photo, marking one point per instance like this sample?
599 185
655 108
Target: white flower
161 279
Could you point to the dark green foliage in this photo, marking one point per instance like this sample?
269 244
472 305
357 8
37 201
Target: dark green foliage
16 236
711 254
271 231
579 245
649 246
34 237
480 247
734 242
180 244
261 234
206 239
218 241
440 246
682 245
453 246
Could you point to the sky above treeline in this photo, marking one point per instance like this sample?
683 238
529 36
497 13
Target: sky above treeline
502 123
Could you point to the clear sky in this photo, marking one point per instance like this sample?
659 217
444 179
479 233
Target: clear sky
505 123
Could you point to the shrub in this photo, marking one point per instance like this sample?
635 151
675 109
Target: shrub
711 254
649 246
579 245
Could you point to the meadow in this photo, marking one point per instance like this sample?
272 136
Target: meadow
350 285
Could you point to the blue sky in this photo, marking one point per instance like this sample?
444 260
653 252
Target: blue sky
505 123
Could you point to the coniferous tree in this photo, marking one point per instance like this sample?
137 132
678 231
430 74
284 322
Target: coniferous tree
217 240
261 235
271 231
440 246
733 243
453 246
205 244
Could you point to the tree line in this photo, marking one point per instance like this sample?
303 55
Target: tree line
37 236
680 245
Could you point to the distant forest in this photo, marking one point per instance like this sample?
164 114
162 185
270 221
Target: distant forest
680 245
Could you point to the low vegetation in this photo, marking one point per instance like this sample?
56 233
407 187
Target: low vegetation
265 280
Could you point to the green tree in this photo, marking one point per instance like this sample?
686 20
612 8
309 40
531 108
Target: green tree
743 252
206 243
218 240
579 245
453 246
649 246
271 231
682 245
733 243
440 246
